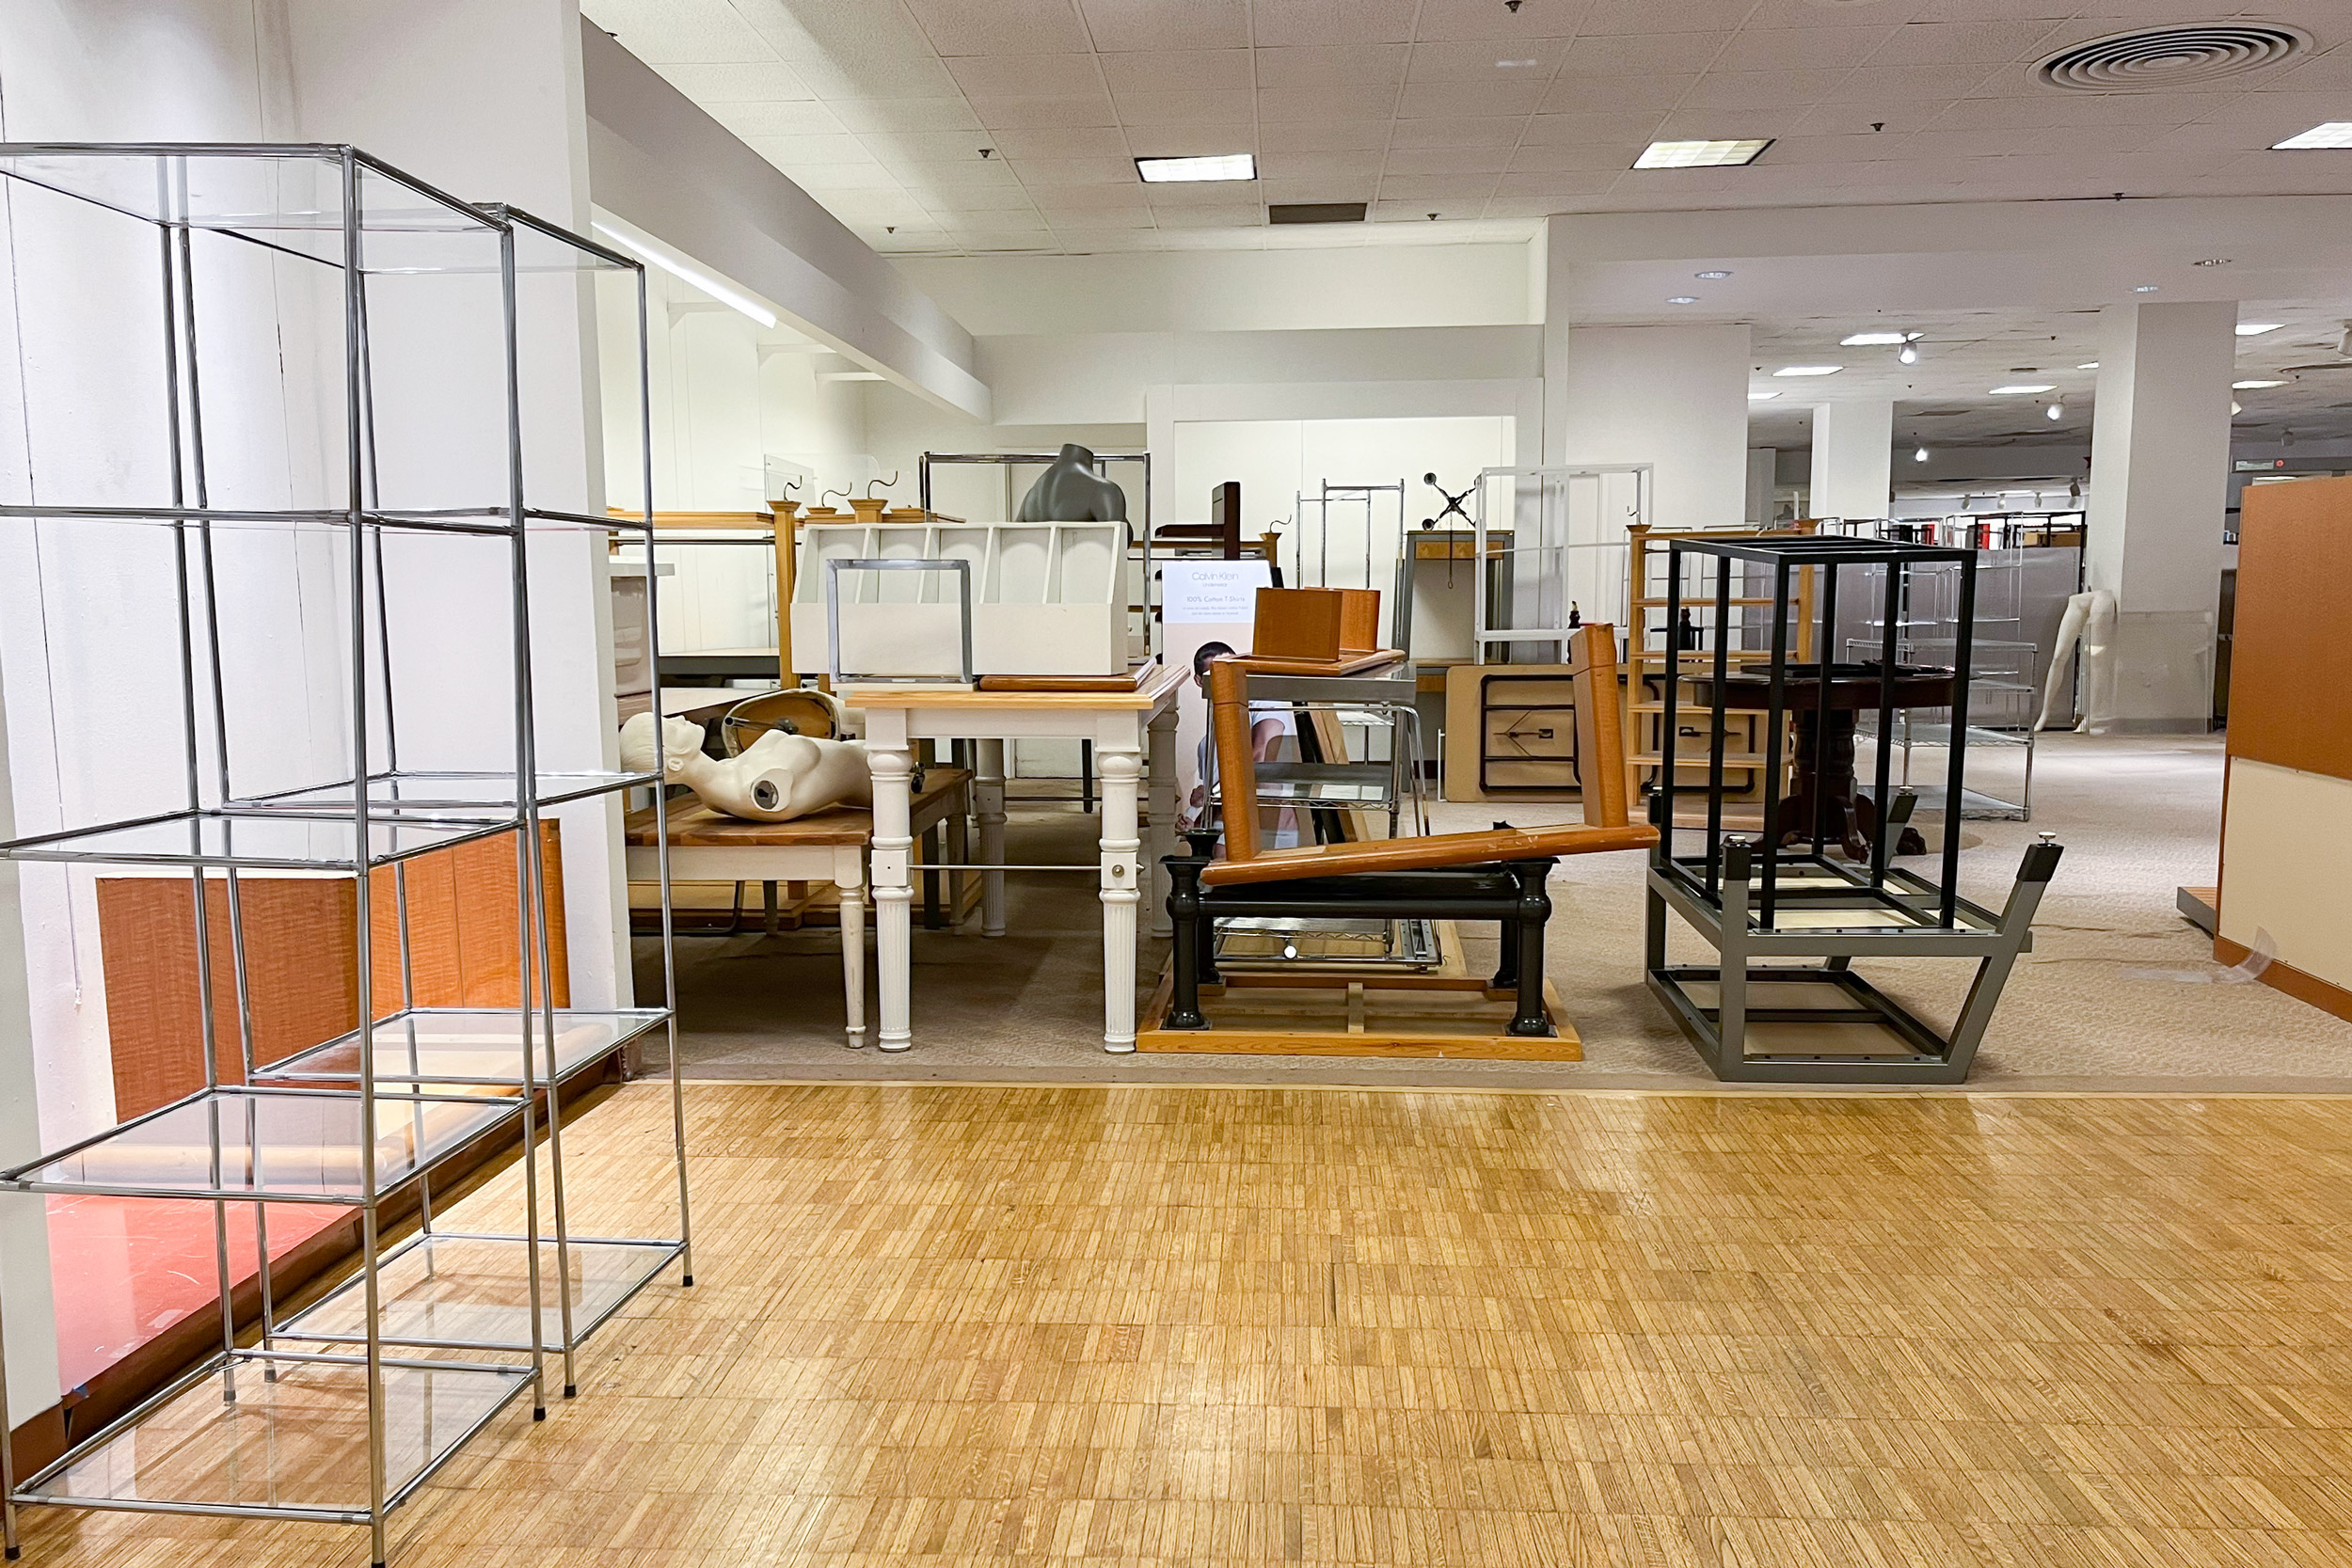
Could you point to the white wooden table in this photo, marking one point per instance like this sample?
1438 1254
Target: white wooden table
824 847
1121 725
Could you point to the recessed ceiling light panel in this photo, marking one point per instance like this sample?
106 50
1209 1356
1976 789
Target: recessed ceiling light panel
1683 299
1714 276
1223 165
2334 133
2253 386
1701 155
2023 388
1875 340
2255 329
1808 370
1762 397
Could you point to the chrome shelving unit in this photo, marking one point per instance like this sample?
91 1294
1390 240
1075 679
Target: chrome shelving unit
335 1428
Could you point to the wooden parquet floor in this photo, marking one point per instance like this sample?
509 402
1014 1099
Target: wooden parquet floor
1160 1327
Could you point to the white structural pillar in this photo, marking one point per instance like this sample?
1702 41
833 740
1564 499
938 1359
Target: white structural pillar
1853 446
1673 397
2159 484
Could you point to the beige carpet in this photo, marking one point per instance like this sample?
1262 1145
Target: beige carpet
2116 994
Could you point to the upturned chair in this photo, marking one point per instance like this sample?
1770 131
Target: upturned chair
1498 875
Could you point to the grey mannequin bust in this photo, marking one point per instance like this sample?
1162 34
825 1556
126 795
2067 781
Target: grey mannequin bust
1070 491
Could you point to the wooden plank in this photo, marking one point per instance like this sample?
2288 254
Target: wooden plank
1358 1014
2291 649
1148 696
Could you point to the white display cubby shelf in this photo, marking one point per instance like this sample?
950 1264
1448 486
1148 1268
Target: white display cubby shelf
1048 598
407 623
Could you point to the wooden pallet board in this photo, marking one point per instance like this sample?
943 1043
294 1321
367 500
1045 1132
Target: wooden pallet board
1341 1014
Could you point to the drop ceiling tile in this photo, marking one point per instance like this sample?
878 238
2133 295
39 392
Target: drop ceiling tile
1282 23
877 76
1125 25
1001 26
1503 131
1353 187
1580 157
1964 43
1847 117
2026 141
1442 99
1179 71
1883 82
711 85
1450 20
1446 160
1000 113
2328 72
1331 65
1366 100
1761 89
926 147
831 32
1008 198
951 179
904 114
2236 135
1551 130
2045 107
1175 110
1430 210
1226 216
1205 192
1020 76
876 206
1653 54
1061 141
1045 173
1436 187
817 177
1190 141
1799 48
1482 63
807 118
680 32
1838 149
1088 242
1696 122
997 223
1593 95
1294 166
1532 195
1875 13
841 148
1097 206
1322 135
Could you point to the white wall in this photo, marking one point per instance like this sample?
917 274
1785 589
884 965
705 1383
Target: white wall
1231 290
1673 397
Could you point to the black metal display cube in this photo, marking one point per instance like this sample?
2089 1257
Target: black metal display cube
1816 880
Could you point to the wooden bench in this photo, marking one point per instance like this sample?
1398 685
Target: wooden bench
825 847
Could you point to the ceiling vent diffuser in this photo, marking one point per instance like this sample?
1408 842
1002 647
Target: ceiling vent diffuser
2154 59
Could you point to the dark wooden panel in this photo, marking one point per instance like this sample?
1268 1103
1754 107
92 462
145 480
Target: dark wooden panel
2291 659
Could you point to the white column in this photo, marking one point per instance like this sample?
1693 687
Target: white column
1118 765
1853 446
1763 479
888 756
2160 483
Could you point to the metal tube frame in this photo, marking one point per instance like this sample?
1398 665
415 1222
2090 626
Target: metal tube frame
361 523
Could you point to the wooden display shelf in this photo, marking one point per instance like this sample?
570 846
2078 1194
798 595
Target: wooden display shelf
1338 1013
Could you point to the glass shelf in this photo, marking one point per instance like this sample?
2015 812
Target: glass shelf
285 1145
466 1047
277 838
293 1447
474 1293
408 792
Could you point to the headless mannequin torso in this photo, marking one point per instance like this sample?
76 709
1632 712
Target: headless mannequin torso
1071 492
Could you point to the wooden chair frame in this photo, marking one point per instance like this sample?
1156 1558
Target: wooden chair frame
1497 875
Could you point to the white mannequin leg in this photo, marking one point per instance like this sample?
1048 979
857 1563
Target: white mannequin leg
2098 663
849 881
1162 838
1119 771
894 892
988 804
2070 631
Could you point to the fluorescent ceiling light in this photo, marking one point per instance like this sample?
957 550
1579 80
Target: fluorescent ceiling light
1808 370
1682 299
1875 340
2255 329
2023 388
1762 397
676 267
2088 365
1224 165
2143 288
2334 133
1714 276
2253 386
1700 154
1511 65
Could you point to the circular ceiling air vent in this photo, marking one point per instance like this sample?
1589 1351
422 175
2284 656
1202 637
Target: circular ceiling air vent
2154 59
